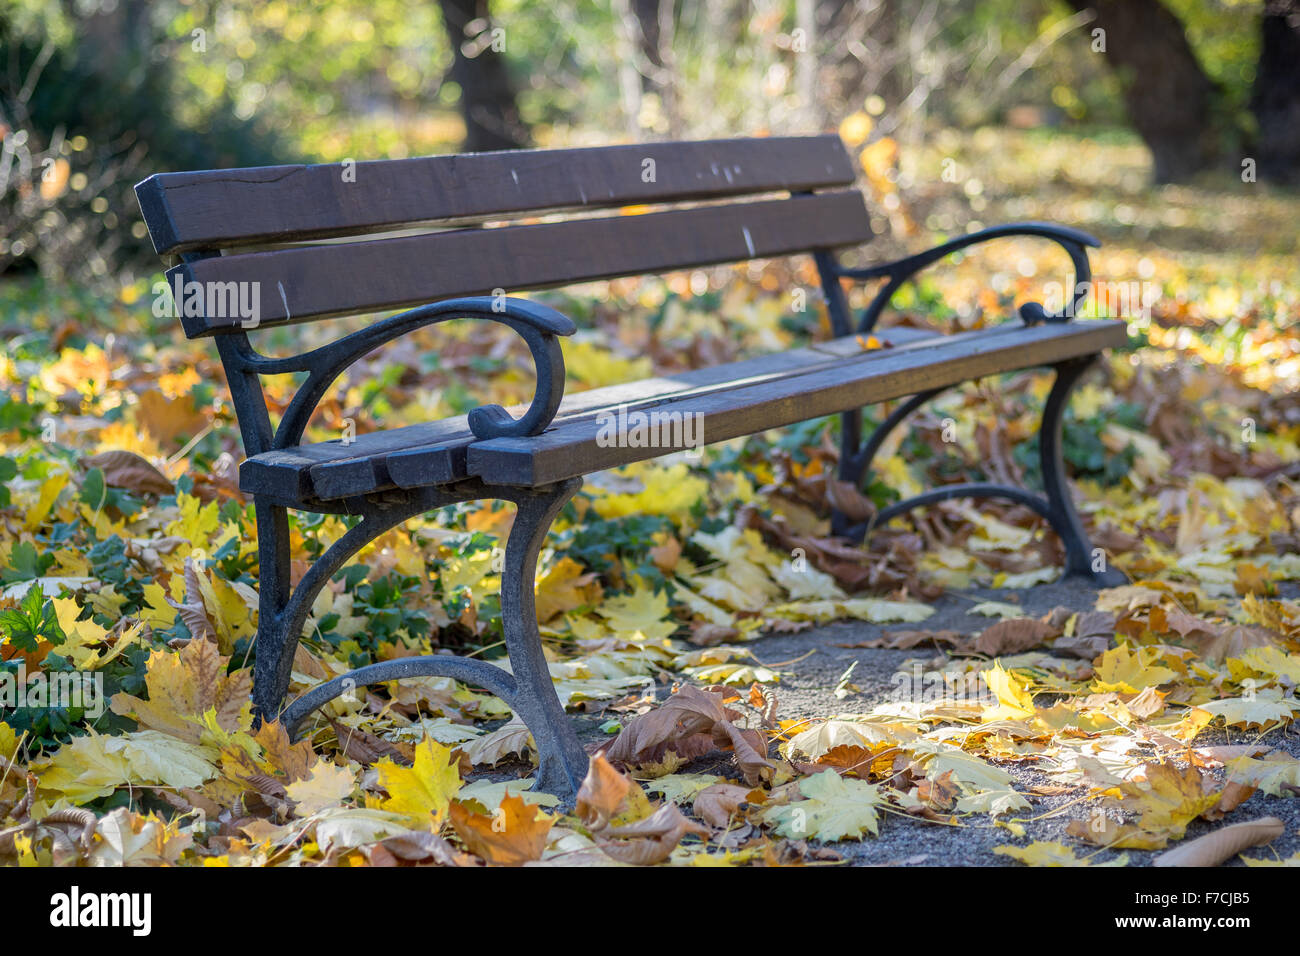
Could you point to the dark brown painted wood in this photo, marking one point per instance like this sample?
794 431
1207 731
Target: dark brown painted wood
218 209
312 282
418 455
736 399
571 449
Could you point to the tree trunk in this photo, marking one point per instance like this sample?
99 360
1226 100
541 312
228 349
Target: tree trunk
1171 102
656 27
1275 99
487 98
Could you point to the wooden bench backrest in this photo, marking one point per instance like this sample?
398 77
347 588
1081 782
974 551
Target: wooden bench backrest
215 220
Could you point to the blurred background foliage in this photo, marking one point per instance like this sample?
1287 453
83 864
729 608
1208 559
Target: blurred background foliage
97 94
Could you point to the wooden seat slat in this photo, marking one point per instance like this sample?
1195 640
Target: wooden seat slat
572 448
330 470
734 399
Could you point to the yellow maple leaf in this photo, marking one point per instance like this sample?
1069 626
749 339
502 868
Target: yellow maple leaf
85 371
50 489
1168 798
643 611
1263 709
1273 661
834 808
73 564
1130 671
564 587
1014 702
670 490
329 785
183 687
1252 579
1192 722
1279 616
157 613
156 758
84 769
124 436
231 608
594 365
106 601
104 526
196 521
1045 853
178 384
83 638
421 793
465 571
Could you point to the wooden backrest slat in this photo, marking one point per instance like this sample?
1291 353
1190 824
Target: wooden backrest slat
219 209
311 282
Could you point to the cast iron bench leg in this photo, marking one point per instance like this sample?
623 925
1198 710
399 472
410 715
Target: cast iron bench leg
1080 560
1057 508
528 690
563 762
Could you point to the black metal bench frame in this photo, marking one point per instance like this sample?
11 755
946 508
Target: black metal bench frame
527 686
283 610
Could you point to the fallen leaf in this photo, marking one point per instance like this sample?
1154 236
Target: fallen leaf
1223 844
126 469
834 808
512 835
1013 635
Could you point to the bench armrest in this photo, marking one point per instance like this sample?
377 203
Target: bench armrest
1071 240
538 325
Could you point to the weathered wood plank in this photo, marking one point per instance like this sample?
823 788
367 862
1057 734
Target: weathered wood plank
431 450
751 395
572 449
311 282
225 208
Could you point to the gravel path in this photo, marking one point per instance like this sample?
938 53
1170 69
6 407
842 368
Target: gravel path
807 690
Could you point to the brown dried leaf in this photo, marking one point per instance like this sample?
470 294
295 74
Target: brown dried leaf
601 794
294 760
1233 796
1214 848
126 469
704 634
845 497
651 840
906 640
689 724
513 836
718 804
666 555
417 846
1214 641
366 748
1014 635
646 737
194 612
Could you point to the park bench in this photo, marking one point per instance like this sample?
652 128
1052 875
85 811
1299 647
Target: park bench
306 240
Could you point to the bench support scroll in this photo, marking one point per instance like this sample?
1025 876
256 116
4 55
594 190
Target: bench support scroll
526 685
1055 505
